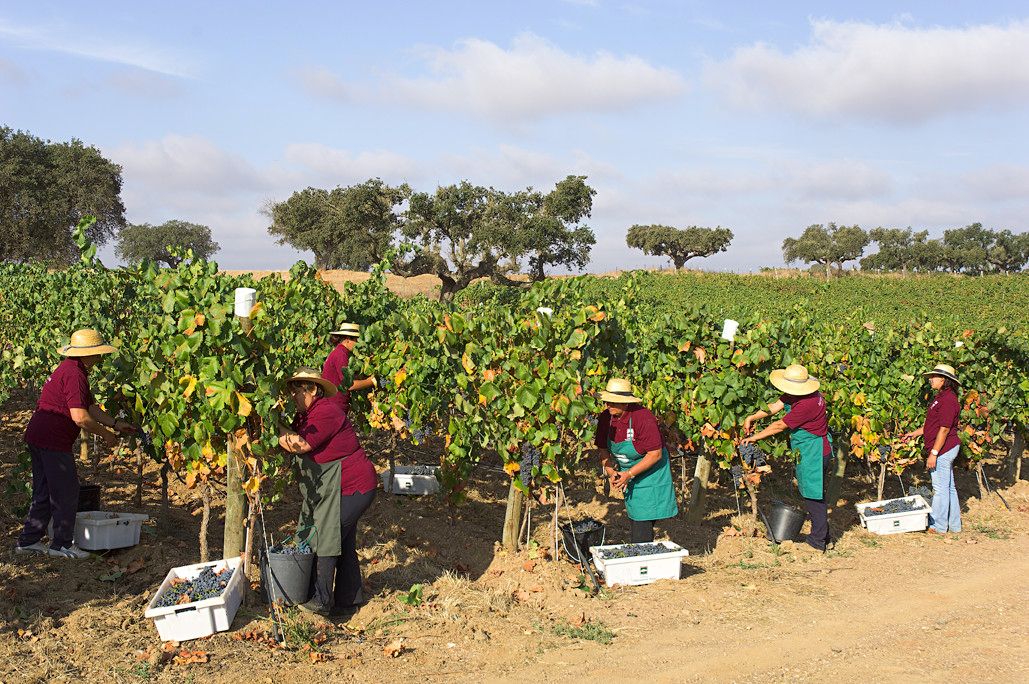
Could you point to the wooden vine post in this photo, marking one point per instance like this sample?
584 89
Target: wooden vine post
698 495
833 490
1015 454
513 517
235 498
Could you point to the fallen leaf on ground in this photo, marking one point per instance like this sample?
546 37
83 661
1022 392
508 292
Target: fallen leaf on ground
189 657
394 648
529 565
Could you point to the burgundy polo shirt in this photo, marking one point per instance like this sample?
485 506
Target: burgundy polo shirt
646 435
943 411
330 433
51 426
338 359
808 413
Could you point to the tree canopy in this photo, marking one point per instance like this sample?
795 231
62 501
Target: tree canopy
46 188
826 245
165 243
972 249
347 227
680 245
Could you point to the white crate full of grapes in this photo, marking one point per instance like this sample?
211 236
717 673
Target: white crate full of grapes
197 600
892 516
638 563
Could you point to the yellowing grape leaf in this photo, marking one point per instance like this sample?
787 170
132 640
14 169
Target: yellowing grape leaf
512 467
244 405
469 365
399 377
700 354
190 384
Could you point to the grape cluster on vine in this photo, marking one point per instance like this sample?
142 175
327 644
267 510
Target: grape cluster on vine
531 457
752 455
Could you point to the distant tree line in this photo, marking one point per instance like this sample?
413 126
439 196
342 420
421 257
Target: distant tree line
973 249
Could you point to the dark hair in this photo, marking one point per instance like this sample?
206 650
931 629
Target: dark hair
949 384
319 391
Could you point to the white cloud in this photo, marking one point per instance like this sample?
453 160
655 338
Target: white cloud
889 72
533 79
342 167
838 180
11 72
90 45
144 84
1000 183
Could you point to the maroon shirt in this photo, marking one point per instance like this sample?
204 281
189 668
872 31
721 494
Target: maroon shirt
943 411
327 429
51 426
808 413
339 358
646 435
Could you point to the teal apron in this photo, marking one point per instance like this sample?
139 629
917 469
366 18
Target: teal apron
809 466
319 510
649 496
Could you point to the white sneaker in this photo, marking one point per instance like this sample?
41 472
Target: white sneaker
38 547
72 551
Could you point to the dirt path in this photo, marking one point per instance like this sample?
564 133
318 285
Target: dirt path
931 611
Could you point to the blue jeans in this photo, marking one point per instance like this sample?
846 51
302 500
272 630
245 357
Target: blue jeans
55 495
946 509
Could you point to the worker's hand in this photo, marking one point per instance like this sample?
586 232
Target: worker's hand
748 440
748 425
930 462
621 480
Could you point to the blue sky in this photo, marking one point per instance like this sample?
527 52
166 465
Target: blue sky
762 117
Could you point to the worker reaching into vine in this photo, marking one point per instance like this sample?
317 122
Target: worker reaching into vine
807 422
344 340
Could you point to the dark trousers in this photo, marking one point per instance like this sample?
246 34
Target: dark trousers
337 579
641 531
818 510
55 495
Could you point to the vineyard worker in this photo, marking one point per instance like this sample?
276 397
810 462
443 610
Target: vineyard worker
337 482
344 340
634 458
66 406
942 445
808 427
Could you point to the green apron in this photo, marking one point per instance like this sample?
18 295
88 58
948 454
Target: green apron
651 495
319 486
808 469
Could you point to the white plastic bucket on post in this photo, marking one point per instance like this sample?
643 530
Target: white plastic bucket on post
729 328
545 310
246 297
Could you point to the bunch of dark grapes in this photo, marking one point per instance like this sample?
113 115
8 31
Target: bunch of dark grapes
632 551
294 547
420 470
884 452
531 456
207 585
737 476
922 491
585 525
893 507
842 367
751 455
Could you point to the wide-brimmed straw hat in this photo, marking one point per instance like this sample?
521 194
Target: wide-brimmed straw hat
347 330
794 380
307 374
943 370
86 342
619 391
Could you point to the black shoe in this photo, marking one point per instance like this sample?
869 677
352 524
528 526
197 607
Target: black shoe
316 607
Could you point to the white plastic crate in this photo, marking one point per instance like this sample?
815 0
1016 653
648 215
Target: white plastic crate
910 521
405 481
97 530
202 618
640 569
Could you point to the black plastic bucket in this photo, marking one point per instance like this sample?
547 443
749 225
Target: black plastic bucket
287 577
784 522
577 545
89 497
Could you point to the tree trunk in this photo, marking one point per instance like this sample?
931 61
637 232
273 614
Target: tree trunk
980 478
752 491
205 518
513 517
235 500
164 496
882 481
248 550
836 482
1015 454
698 495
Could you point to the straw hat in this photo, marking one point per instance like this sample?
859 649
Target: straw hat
794 380
945 371
348 330
619 391
307 374
86 342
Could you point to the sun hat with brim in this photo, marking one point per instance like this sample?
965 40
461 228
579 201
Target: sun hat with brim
86 342
348 330
945 371
619 391
794 380
306 374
